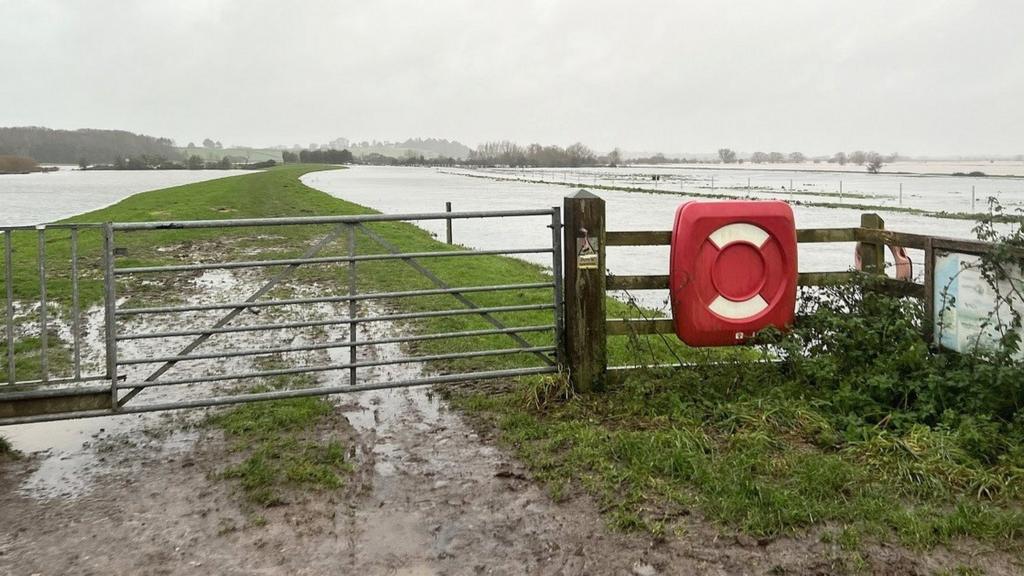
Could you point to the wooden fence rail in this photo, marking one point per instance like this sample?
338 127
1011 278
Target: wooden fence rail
586 281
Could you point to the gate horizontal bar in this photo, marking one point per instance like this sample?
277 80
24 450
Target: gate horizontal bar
53 381
242 222
326 260
64 226
335 344
336 321
282 394
333 367
329 299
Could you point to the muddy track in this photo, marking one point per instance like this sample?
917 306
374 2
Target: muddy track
430 494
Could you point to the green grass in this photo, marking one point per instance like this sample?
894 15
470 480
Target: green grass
6 450
286 445
762 458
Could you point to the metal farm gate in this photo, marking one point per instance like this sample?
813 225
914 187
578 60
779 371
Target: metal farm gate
204 313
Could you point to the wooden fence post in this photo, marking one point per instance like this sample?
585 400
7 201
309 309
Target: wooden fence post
872 254
448 223
586 343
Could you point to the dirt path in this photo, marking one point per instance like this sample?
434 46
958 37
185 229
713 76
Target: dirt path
142 495
429 497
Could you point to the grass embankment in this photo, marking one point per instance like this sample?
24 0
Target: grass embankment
271 433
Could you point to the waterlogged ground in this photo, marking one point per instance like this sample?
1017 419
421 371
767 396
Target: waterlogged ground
48 196
430 492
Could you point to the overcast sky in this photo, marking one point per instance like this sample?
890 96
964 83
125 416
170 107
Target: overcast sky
915 77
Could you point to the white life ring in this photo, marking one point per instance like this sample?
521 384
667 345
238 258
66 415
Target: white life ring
738 309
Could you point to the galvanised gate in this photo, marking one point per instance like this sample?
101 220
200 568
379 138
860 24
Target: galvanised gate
121 318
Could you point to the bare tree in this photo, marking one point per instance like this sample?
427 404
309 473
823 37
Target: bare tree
727 155
874 162
615 157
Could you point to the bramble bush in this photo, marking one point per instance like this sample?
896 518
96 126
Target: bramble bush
864 349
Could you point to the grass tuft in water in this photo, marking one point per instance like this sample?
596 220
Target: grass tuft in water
284 448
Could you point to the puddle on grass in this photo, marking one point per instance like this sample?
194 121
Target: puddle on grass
381 414
71 453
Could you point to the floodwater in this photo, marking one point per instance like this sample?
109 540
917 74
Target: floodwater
412 190
47 196
923 192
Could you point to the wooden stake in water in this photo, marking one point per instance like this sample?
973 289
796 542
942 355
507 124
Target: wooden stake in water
840 191
901 193
972 198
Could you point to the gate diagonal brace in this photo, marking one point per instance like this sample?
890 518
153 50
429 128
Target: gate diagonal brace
457 295
227 318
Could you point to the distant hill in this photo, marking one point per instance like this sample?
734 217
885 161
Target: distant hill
72 146
237 155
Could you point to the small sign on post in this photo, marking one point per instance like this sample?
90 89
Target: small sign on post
586 252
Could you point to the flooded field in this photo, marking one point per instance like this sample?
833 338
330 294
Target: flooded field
48 196
932 193
410 190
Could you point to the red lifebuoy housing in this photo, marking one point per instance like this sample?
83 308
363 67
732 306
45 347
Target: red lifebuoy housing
733 270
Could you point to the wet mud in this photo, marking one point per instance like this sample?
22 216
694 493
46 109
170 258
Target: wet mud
431 494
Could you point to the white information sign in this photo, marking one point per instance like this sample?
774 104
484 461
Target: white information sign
966 308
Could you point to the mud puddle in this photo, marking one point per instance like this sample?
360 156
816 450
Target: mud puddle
68 455
428 496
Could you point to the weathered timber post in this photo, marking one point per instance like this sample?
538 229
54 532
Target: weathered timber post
872 254
586 343
448 223
929 291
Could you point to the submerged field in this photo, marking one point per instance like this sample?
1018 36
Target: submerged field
872 440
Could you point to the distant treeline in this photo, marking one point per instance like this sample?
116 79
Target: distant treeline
332 156
509 153
194 162
441 147
329 156
81 146
500 153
